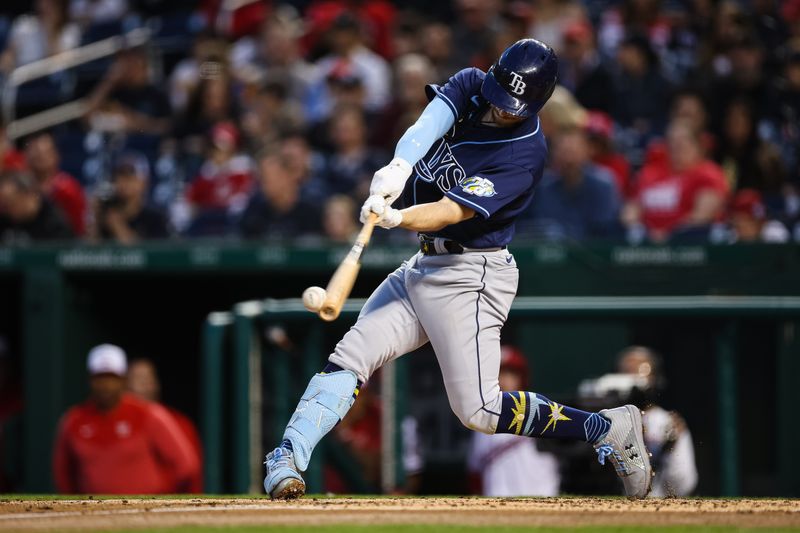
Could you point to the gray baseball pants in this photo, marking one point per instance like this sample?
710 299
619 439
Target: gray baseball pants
458 303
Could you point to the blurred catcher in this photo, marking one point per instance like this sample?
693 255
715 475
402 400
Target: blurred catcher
639 380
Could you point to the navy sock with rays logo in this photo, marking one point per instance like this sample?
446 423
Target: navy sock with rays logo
533 415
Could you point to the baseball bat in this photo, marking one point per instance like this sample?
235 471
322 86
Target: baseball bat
344 278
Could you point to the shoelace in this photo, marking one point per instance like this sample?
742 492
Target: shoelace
277 458
608 451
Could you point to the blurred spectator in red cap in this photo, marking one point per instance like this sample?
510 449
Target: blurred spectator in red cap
505 464
350 58
122 212
344 89
58 186
219 192
26 215
582 70
749 222
687 192
116 443
143 382
600 132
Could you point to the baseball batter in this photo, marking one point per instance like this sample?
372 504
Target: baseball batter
464 171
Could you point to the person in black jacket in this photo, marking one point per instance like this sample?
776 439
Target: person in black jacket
123 214
583 71
26 215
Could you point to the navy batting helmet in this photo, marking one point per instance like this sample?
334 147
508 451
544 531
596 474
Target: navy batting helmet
522 80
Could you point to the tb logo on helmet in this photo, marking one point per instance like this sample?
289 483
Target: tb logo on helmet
517 85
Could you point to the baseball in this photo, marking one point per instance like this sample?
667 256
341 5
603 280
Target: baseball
313 297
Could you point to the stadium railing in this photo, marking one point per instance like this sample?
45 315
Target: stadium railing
19 127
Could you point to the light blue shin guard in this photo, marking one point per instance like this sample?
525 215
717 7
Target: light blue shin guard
326 400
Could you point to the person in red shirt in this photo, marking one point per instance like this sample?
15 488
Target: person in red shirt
224 182
116 443
685 191
143 382
59 187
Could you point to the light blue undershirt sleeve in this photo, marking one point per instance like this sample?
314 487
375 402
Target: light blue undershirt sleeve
436 119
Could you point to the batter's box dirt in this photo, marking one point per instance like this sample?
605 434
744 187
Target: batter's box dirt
203 513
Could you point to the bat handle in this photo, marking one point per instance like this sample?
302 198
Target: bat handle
342 281
366 231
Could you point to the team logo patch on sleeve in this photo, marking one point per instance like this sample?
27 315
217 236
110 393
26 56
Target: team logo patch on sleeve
478 186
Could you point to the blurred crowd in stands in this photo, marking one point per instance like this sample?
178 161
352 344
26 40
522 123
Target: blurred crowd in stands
675 120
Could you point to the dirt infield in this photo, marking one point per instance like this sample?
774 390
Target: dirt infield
136 513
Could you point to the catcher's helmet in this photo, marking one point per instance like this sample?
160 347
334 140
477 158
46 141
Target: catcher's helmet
522 80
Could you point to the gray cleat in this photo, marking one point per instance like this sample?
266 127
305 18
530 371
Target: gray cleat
624 446
283 481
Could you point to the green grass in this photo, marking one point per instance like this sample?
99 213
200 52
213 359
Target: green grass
400 528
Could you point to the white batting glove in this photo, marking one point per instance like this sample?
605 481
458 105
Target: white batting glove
389 218
388 182
374 204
